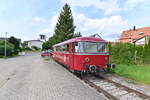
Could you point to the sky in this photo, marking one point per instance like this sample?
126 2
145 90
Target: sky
26 19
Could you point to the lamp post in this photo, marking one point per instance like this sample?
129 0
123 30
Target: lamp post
6 43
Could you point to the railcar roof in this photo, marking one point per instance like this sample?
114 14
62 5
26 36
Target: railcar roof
92 39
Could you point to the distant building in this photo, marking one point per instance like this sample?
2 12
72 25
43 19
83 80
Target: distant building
37 43
138 36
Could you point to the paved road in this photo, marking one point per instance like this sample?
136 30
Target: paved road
31 77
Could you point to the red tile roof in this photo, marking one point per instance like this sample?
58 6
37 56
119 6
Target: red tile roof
134 34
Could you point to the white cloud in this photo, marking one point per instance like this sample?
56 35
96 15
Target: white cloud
107 26
50 29
108 6
39 20
130 4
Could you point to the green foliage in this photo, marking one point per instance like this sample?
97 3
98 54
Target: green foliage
9 50
64 29
16 44
77 35
47 45
110 48
24 44
35 48
127 53
26 49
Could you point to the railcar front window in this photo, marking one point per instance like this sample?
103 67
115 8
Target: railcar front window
102 47
91 47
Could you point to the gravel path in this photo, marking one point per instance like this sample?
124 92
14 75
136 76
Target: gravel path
31 77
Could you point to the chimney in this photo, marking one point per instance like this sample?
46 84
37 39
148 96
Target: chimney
134 28
42 37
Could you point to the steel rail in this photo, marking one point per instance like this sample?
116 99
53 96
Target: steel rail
111 97
118 85
144 96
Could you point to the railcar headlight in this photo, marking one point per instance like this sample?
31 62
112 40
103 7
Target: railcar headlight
87 59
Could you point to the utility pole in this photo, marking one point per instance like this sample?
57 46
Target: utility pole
6 43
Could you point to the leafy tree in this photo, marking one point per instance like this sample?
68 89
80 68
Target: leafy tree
24 44
146 52
9 50
77 35
110 47
65 28
123 53
35 48
47 45
16 44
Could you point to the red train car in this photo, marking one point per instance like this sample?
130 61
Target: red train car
83 54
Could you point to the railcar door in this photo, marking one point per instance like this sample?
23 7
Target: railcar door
71 56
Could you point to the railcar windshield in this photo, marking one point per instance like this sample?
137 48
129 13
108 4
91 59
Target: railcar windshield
91 47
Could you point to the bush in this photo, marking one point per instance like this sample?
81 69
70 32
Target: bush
127 53
35 48
26 49
16 44
9 49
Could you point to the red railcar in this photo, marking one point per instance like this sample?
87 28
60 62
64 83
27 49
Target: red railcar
83 54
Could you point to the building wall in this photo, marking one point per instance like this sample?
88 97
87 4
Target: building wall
35 43
141 41
125 40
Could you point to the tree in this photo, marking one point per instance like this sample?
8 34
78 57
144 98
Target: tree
24 44
47 45
16 44
65 28
77 35
9 50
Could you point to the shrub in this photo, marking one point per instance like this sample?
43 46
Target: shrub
127 53
26 49
35 48
9 49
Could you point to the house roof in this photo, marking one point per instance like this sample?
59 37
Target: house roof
33 40
135 34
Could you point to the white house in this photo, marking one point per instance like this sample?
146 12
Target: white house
37 43
141 41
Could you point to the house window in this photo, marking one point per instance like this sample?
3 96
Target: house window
141 33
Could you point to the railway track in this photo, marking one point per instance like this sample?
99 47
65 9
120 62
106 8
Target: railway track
114 90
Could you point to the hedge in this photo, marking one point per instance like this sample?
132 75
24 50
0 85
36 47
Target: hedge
9 49
127 53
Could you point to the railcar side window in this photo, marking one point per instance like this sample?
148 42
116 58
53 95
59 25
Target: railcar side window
62 48
91 47
67 47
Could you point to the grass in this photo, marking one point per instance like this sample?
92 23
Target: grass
136 73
